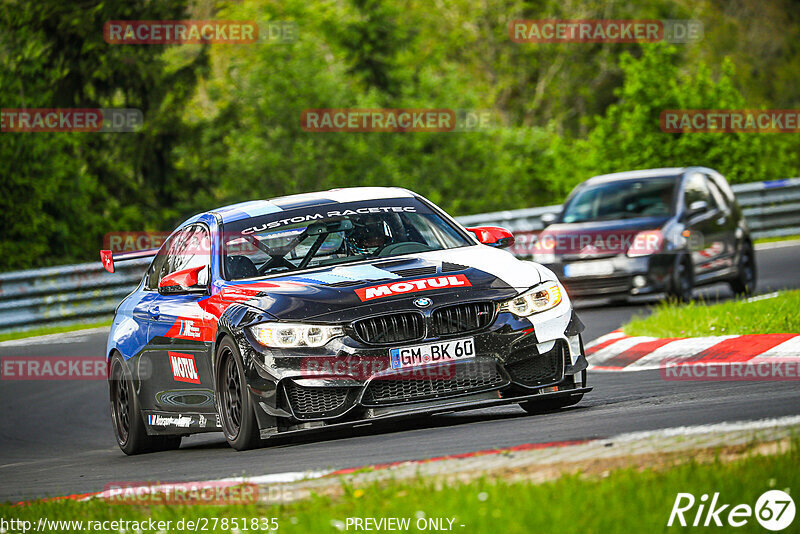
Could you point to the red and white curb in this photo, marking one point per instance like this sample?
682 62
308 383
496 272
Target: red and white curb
618 352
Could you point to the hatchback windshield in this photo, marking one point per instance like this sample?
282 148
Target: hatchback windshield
625 199
333 234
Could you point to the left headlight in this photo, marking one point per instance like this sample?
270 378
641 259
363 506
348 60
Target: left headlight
540 298
287 335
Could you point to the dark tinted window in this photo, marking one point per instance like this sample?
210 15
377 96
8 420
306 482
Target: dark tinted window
697 188
625 199
188 248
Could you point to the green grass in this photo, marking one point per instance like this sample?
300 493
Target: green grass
776 315
779 238
621 501
45 330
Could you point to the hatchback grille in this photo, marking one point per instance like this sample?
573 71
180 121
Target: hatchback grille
467 377
311 402
461 318
391 328
539 369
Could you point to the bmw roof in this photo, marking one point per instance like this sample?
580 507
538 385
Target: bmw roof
256 208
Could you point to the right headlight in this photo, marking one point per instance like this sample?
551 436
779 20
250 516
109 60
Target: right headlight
543 297
286 335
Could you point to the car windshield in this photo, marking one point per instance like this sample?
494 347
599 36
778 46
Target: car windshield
625 199
333 234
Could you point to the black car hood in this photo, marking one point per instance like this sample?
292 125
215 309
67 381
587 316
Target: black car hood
572 238
347 292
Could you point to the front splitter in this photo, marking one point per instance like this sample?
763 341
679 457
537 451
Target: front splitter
471 402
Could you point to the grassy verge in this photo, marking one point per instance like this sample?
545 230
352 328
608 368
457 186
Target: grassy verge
776 239
619 501
45 330
766 316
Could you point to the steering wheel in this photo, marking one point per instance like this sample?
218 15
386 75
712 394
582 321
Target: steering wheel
408 247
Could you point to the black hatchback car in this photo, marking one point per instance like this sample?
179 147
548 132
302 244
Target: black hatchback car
649 232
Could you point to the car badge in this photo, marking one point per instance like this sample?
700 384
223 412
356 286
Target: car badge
588 251
423 302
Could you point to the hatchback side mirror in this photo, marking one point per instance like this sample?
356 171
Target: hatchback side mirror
698 206
183 281
548 218
494 236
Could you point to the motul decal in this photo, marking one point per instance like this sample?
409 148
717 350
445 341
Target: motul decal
411 286
183 367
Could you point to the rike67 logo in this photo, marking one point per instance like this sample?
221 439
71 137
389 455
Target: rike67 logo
774 510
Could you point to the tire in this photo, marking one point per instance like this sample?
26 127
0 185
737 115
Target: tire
126 415
535 407
682 283
234 405
745 282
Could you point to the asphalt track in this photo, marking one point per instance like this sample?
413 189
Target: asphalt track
56 437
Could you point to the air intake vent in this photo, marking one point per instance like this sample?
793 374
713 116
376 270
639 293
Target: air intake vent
454 379
461 318
390 328
416 271
448 267
318 402
346 283
539 369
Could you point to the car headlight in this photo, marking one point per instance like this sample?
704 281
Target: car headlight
646 243
286 335
541 298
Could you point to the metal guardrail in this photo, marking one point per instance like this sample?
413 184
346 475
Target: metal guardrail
65 295
86 292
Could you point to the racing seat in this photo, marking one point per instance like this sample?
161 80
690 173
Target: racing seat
238 267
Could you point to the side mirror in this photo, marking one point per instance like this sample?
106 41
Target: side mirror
494 236
698 206
183 281
548 218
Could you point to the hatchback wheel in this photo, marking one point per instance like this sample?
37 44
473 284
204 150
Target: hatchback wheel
682 284
745 282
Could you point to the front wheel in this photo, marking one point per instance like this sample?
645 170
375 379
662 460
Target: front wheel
682 283
234 405
126 415
551 405
745 282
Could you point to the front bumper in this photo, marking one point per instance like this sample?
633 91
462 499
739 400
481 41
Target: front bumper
348 382
629 276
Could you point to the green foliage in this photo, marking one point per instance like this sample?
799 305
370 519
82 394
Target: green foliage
222 122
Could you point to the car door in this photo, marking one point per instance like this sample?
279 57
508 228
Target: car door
181 331
726 225
706 226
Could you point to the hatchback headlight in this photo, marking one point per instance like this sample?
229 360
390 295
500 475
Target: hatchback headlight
543 297
286 335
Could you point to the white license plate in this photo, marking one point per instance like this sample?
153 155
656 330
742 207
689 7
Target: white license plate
588 268
432 353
